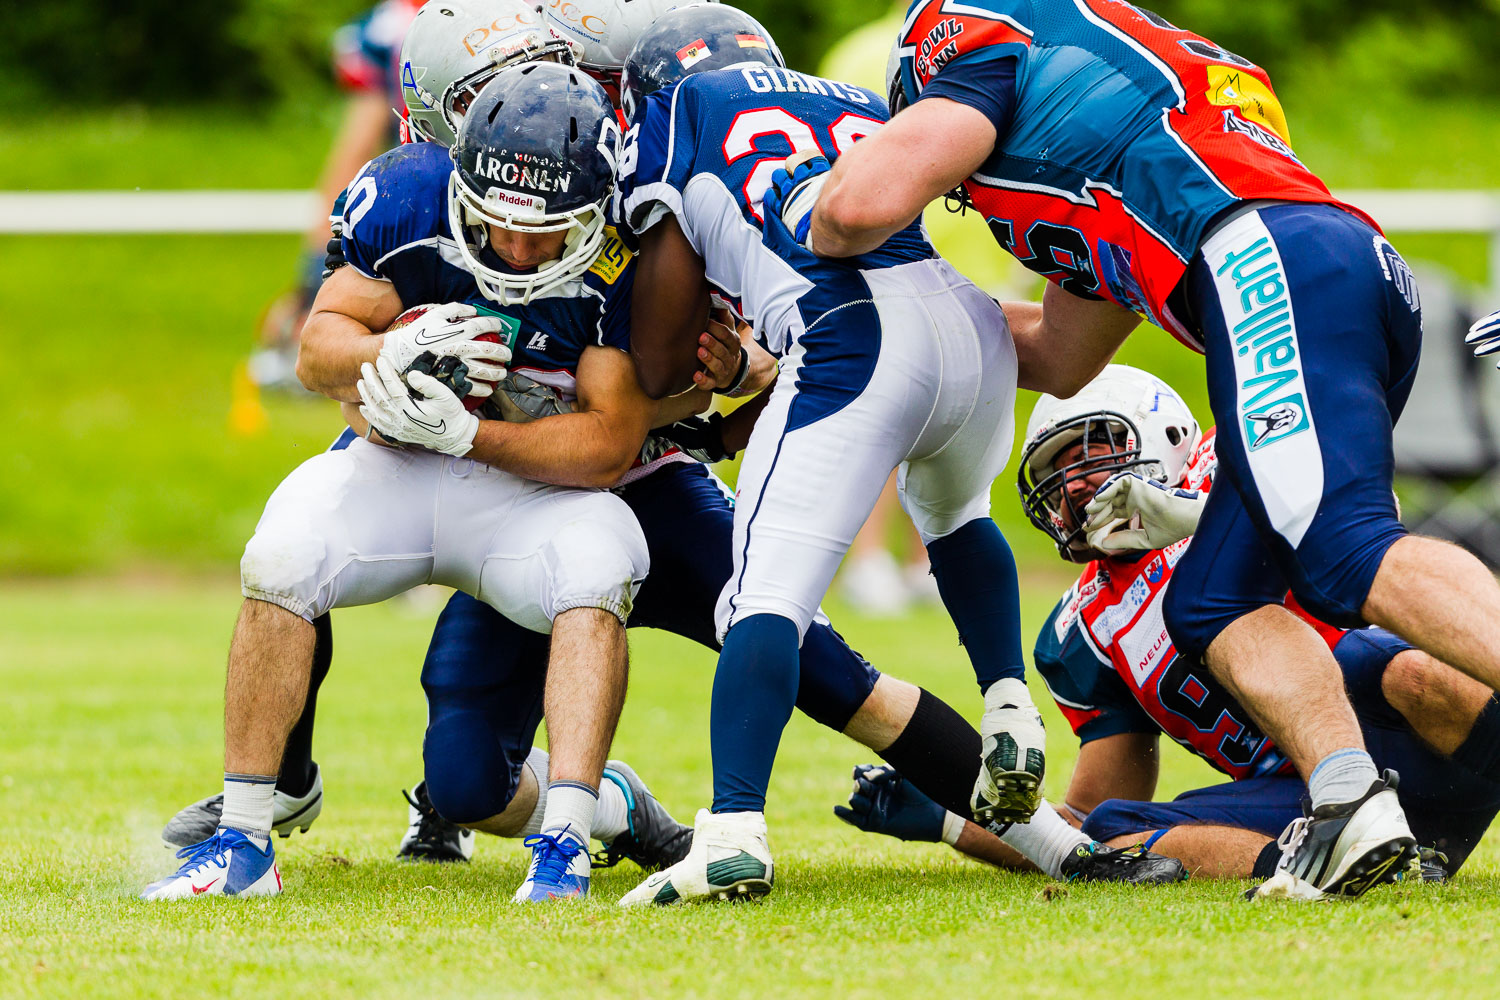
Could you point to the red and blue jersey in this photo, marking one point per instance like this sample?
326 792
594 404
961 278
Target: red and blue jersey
1111 667
1120 137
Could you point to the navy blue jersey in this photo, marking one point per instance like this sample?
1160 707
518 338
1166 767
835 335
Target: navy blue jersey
396 229
704 151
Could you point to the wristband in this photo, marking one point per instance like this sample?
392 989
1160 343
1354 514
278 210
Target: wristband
953 827
739 376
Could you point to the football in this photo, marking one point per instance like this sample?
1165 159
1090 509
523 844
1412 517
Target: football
450 371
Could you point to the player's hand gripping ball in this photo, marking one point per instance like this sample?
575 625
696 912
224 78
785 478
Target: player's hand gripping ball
452 343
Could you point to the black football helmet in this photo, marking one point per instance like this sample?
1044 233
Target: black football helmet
535 153
693 39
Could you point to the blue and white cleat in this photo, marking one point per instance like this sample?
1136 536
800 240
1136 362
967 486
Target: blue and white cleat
226 864
559 868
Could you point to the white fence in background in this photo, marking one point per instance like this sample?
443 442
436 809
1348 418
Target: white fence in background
38 212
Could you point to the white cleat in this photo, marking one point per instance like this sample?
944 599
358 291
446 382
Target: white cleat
729 860
227 864
1343 849
1012 756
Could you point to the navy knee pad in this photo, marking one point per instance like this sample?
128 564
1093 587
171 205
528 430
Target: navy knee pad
834 680
470 776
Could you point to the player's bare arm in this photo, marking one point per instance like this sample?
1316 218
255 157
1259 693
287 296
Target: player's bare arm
1123 766
592 446
340 332
669 310
878 187
1065 342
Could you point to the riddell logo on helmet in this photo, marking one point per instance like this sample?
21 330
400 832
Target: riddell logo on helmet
499 197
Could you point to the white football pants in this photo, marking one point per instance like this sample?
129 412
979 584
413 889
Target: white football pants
366 523
938 406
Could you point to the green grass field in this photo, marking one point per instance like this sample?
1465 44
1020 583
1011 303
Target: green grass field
129 491
112 695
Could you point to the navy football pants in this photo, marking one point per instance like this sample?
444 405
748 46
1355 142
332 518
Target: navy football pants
484 675
1312 328
1448 805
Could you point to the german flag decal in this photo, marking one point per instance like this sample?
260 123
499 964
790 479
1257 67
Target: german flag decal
693 53
751 42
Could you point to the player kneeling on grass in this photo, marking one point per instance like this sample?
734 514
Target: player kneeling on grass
462 504
1124 457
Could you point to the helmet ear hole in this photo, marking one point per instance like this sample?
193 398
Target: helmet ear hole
1174 435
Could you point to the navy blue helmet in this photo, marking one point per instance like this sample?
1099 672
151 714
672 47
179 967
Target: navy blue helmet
535 153
692 39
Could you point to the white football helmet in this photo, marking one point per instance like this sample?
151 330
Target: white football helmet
1131 420
454 48
606 31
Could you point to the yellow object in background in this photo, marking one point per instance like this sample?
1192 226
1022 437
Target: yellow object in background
247 415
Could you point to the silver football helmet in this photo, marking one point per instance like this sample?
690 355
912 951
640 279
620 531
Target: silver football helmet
606 31
454 48
1130 421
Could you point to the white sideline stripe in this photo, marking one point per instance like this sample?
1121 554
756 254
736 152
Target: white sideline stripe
38 212
291 211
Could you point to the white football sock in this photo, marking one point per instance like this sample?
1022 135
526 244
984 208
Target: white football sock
1046 840
249 804
537 763
612 818
570 810
1342 776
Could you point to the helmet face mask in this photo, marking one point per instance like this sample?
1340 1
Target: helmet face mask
1127 421
1110 445
454 48
533 156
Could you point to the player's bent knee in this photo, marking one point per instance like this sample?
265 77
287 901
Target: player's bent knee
284 568
468 777
595 564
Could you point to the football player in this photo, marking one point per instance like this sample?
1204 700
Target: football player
465 504
447 54
714 112
1120 683
1145 170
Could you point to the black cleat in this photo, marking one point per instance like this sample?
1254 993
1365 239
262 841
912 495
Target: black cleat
1134 865
1343 849
654 840
429 837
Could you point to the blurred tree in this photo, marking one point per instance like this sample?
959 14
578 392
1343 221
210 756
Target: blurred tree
169 51
92 52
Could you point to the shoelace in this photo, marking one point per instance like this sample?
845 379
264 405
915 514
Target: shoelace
430 828
212 849
553 856
1291 839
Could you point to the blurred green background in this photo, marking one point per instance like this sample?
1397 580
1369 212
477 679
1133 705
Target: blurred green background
131 442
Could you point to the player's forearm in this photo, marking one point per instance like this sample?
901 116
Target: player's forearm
330 352
569 449
851 216
681 406
739 424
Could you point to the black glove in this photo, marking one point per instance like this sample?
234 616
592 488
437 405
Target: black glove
700 437
335 258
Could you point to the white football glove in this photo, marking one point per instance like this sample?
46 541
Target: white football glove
435 420
1484 335
1164 515
449 330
